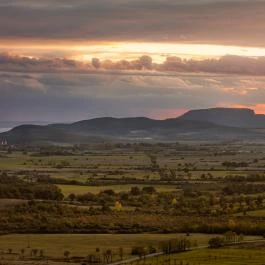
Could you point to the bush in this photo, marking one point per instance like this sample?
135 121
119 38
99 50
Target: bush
139 251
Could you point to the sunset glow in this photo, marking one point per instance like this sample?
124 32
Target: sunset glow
130 50
259 108
134 58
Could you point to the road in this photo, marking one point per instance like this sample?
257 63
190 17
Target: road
126 261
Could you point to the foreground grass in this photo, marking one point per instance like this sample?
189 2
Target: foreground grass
223 256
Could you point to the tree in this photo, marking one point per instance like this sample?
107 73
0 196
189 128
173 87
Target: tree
118 206
216 242
91 258
175 245
149 190
9 150
72 197
139 251
195 243
135 191
230 237
98 254
107 255
34 252
241 238
121 253
151 249
66 254
174 201
109 192
22 251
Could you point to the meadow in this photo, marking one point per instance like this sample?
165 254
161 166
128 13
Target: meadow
83 244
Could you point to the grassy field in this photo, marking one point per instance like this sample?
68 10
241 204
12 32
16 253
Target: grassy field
77 244
68 189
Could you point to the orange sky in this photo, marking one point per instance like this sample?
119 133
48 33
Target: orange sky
259 108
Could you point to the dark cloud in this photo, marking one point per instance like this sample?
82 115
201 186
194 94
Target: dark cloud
9 62
223 22
227 64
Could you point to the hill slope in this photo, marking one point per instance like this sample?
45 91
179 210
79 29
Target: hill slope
37 134
210 124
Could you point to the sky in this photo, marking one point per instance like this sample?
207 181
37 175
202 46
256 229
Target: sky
65 60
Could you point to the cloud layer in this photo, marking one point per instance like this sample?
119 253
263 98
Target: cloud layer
72 96
236 22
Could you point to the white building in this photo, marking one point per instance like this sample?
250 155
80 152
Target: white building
4 142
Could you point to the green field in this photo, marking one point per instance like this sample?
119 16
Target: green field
68 189
257 213
134 163
203 188
82 244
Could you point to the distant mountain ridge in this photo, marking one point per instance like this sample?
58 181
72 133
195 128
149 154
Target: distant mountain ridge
233 117
204 124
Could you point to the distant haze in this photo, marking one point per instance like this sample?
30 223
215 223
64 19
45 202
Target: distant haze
7 125
4 129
